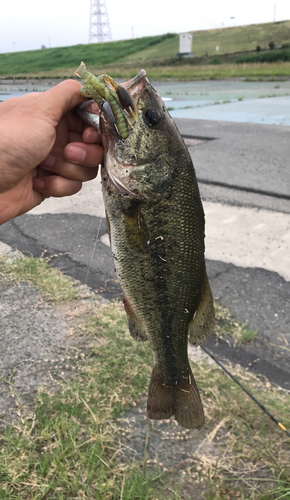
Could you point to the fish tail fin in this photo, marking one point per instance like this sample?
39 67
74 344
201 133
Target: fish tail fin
188 406
160 402
181 400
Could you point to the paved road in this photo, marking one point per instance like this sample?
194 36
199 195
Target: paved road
244 179
247 156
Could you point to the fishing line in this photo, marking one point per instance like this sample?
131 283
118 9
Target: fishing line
247 392
93 252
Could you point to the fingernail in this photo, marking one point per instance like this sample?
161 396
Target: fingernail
75 153
48 162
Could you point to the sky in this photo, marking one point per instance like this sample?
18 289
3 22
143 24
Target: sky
29 24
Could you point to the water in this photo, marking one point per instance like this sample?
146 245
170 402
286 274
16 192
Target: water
267 111
234 100
265 103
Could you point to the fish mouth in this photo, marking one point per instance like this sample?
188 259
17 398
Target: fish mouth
137 84
129 94
106 116
111 138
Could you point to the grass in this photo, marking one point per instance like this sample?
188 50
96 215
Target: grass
35 61
66 448
54 286
226 325
68 444
185 72
240 38
269 56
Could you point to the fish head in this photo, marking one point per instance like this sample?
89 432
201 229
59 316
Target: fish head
139 165
142 146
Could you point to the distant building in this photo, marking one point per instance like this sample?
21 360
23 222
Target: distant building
43 46
185 45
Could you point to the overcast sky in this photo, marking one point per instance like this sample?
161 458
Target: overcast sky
28 24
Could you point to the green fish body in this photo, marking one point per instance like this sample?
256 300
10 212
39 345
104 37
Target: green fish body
156 226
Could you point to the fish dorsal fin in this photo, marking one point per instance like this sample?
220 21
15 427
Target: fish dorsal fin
135 326
203 321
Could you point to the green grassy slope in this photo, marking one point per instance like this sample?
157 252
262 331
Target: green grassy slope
229 40
240 38
167 48
67 57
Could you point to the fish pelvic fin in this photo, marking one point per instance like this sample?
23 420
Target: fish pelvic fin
203 321
135 325
181 400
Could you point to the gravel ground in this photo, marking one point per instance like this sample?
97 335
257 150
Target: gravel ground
35 341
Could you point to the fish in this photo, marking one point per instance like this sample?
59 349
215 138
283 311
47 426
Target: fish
156 226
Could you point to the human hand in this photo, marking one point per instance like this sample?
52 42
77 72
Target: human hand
44 149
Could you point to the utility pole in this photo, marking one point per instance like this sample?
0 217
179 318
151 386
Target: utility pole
274 12
100 30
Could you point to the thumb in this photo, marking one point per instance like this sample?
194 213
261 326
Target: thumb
60 99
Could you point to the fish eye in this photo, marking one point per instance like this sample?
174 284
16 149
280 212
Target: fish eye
152 117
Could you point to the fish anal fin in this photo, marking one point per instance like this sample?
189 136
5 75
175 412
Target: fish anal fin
136 327
181 400
203 321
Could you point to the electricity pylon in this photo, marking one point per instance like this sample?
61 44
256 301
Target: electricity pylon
100 30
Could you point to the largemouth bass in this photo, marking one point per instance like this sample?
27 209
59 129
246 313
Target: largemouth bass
156 226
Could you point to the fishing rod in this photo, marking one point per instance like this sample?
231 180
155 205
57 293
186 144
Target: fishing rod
247 392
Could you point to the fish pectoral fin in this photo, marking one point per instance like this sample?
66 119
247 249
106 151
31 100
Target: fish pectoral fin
203 321
181 400
136 327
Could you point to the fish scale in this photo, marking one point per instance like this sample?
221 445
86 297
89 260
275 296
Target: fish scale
167 289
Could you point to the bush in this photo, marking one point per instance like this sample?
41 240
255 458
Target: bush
271 45
215 60
273 56
258 48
